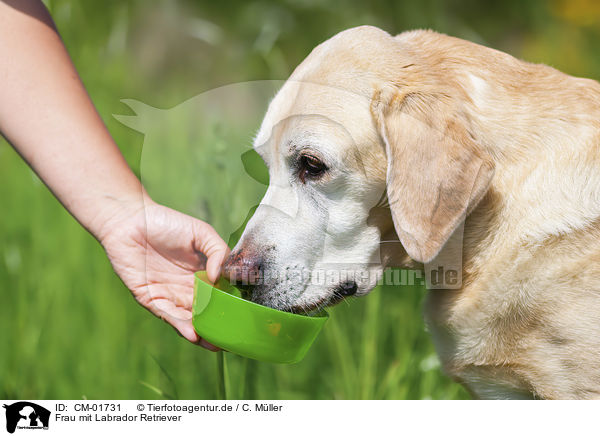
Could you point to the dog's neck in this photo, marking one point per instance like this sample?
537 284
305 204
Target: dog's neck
546 181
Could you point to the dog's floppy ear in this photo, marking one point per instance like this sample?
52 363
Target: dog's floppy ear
435 172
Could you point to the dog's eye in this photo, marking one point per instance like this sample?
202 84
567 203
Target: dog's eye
311 167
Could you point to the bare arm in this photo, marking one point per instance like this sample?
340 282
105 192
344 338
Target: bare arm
46 114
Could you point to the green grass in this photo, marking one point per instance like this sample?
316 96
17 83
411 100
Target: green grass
71 329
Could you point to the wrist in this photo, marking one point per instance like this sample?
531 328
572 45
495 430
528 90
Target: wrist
115 211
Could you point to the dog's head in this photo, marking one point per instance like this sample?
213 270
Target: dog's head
362 148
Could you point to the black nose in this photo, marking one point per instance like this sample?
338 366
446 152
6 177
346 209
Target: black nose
243 268
348 288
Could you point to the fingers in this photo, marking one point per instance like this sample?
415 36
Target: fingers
213 265
208 345
155 296
186 330
182 322
208 242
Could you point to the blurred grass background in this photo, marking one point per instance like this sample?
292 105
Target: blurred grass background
71 329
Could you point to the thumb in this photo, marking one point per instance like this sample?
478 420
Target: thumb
214 262
209 243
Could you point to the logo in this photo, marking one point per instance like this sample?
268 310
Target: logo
26 415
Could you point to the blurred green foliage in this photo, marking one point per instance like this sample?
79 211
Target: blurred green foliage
72 330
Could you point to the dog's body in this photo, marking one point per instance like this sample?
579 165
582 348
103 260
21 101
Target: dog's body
452 130
527 320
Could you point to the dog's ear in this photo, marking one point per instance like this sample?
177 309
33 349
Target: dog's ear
436 173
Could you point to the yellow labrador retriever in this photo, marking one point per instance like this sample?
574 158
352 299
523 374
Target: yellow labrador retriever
422 138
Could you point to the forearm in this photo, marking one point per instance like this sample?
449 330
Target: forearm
46 114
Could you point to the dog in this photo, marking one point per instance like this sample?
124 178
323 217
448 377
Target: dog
418 138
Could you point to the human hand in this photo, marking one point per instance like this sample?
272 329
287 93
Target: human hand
155 251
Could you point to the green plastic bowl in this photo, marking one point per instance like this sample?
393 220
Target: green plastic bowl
228 321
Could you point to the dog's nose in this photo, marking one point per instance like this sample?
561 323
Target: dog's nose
243 268
348 288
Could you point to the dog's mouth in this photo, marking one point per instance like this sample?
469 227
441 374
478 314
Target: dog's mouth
338 294
245 290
